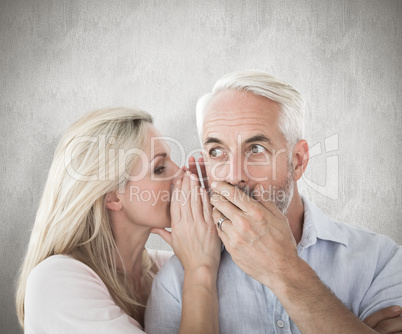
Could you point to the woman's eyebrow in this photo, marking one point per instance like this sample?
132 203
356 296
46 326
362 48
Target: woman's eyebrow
164 155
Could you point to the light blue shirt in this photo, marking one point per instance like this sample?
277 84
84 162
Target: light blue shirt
362 268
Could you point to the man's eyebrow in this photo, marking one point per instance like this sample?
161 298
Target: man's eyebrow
253 139
261 138
210 140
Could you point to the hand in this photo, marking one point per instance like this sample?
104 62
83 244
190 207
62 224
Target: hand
194 238
261 243
387 320
193 169
257 235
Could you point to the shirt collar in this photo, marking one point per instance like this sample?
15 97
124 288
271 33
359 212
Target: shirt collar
318 226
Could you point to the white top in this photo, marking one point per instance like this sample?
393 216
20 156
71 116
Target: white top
63 295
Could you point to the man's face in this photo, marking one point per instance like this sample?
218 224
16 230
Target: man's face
244 146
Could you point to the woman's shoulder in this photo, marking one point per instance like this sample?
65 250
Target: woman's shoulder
160 256
56 264
62 270
61 280
63 293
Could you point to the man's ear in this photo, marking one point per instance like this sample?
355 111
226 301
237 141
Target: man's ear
300 158
113 201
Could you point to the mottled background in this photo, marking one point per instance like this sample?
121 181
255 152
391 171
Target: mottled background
62 58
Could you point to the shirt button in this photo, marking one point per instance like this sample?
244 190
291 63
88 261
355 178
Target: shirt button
280 323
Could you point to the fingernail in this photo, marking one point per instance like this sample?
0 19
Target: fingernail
396 309
213 184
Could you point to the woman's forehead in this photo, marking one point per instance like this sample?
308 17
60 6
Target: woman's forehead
155 142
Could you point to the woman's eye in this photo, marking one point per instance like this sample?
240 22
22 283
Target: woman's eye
255 149
215 152
159 170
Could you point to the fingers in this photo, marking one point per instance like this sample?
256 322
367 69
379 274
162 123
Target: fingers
387 320
196 200
234 195
207 207
175 202
244 202
226 208
192 166
226 225
185 197
389 326
193 169
165 235
225 230
203 175
260 195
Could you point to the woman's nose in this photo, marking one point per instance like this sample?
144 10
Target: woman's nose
177 172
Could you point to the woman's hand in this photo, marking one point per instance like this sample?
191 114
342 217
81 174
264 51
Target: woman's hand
192 167
194 237
195 241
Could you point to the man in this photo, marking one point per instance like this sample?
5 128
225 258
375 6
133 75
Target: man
286 267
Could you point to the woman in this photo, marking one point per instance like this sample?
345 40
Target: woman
86 268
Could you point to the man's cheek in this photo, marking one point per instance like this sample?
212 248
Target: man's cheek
218 171
258 173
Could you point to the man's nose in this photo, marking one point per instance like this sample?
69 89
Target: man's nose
237 175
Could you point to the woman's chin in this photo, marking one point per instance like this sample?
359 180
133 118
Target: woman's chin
162 225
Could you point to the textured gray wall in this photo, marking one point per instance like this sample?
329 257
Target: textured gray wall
60 59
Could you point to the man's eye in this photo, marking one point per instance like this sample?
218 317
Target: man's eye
159 170
215 152
255 149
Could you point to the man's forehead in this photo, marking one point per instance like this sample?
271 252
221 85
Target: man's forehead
233 106
248 99
232 113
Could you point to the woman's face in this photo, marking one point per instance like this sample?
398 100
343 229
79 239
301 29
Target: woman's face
146 199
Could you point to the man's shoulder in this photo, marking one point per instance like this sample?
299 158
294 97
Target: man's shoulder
360 236
354 229
160 257
171 270
356 234
356 243
350 235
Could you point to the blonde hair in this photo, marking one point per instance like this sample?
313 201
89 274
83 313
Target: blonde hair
72 218
291 118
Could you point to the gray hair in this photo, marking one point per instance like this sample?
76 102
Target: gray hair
291 118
